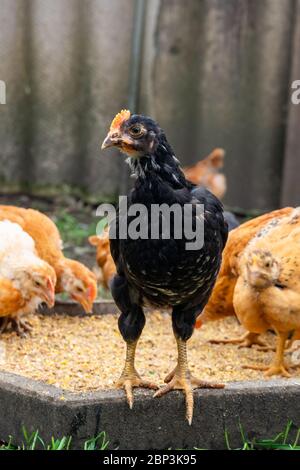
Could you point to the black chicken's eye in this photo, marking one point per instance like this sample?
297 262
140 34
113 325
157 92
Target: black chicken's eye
268 264
136 131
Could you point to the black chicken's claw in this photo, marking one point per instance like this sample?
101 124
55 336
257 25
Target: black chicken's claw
170 376
186 383
129 381
180 383
129 394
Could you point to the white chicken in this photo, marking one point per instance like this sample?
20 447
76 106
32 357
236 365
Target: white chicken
26 281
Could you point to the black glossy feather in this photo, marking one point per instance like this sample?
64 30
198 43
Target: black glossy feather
163 272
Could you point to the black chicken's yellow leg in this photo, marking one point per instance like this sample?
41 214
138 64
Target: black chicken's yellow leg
181 379
131 323
130 377
277 367
244 341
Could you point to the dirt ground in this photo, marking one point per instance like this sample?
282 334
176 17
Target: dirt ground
87 353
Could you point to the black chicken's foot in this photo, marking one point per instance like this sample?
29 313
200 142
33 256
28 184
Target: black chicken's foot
181 379
130 377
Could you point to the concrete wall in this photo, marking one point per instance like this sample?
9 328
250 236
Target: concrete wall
213 73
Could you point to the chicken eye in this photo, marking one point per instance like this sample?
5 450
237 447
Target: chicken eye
136 131
38 283
80 289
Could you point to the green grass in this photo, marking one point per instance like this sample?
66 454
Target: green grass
281 441
34 441
72 231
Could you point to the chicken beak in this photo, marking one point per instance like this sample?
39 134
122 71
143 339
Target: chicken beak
92 292
86 303
49 294
108 142
87 299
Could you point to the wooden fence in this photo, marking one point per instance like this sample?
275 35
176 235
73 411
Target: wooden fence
212 72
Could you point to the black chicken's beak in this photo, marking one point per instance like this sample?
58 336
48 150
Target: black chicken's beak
108 142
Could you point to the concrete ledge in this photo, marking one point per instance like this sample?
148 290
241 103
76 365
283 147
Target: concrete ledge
263 408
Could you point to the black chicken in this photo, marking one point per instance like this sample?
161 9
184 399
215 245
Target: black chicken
162 272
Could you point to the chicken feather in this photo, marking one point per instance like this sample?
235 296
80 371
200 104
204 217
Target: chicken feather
72 277
25 280
267 293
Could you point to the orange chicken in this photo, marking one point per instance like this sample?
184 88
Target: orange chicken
104 258
267 293
207 173
26 281
220 304
72 277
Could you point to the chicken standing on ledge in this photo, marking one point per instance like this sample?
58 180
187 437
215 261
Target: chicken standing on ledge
72 277
26 281
161 272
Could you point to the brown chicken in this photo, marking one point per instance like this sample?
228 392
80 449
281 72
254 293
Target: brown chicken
207 173
104 259
26 281
220 304
267 293
72 277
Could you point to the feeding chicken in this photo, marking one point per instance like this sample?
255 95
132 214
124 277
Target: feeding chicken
104 259
220 304
26 281
162 271
72 277
207 173
267 293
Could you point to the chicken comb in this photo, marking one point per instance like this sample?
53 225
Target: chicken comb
119 119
